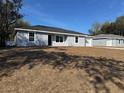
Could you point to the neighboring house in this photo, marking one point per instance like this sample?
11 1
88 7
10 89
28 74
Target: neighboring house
109 40
48 36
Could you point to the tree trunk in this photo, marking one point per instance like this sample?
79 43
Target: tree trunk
2 41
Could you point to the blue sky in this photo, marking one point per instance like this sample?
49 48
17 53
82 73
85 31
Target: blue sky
76 15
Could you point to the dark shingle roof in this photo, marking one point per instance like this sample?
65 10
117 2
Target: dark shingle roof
51 29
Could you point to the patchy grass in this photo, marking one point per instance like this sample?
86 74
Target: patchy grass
61 70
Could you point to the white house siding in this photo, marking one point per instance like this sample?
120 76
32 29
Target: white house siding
119 42
89 42
81 42
41 39
22 39
54 43
99 42
69 41
109 42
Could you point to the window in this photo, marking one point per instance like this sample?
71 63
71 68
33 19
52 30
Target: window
76 39
119 41
31 36
59 39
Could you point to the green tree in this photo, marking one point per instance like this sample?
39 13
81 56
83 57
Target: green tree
21 23
106 28
116 27
120 25
9 14
95 29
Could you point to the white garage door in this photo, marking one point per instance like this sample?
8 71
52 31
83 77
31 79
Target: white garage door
109 43
89 42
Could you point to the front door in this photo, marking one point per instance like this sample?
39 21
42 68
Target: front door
49 40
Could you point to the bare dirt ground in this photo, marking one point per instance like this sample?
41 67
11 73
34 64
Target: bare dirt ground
119 48
61 70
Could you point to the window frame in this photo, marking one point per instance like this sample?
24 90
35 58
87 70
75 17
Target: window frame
119 41
31 36
76 39
59 39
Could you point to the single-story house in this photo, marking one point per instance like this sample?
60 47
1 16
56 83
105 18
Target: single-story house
108 40
53 36
48 36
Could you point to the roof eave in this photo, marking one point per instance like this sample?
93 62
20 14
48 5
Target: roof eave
49 32
108 38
